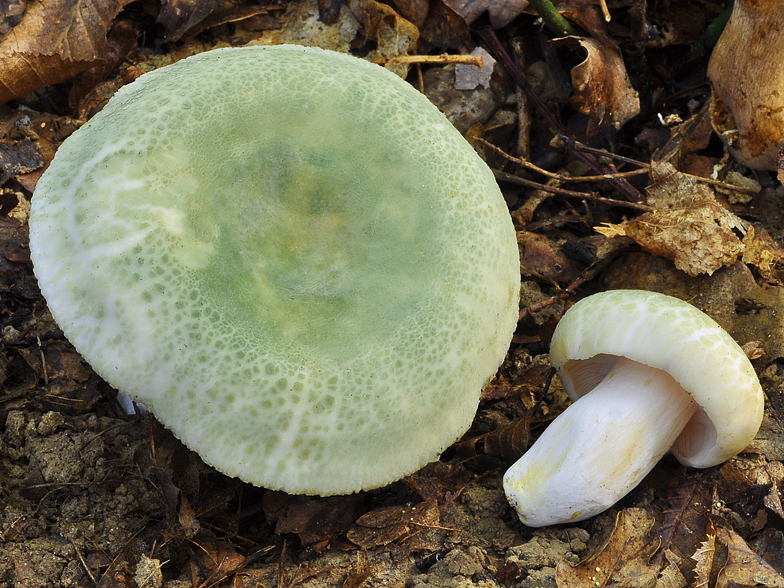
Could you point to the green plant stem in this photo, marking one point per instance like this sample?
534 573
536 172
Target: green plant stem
711 34
552 18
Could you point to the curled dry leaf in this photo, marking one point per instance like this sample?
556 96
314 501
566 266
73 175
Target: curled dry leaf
703 558
623 561
393 34
502 12
179 16
602 89
744 567
390 523
690 227
54 41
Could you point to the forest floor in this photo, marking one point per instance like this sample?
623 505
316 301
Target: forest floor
92 497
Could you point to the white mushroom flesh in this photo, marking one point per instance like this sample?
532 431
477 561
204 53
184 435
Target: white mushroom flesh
600 447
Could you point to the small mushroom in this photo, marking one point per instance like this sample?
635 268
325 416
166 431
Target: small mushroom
290 257
649 374
747 77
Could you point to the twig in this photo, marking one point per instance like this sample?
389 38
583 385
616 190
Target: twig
600 178
587 275
647 167
502 176
486 33
435 59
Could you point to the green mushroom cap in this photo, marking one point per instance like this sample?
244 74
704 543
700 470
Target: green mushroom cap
290 256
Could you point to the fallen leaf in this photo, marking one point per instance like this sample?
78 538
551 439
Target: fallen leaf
179 16
760 250
390 523
312 519
539 257
703 559
671 576
623 561
414 11
744 567
445 28
54 41
690 227
502 12
393 34
769 545
215 558
685 520
602 89
18 157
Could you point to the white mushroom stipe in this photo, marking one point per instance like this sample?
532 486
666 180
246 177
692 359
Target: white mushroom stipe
649 374
560 480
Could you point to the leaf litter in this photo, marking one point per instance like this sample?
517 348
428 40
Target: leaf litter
606 190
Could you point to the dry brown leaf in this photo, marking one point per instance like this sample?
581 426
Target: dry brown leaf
690 227
393 34
216 558
703 560
502 12
179 16
623 561
387 524
671 576
539 257
415 11
759 249
443 27
54 41
744 567
312 519
602 89
685 519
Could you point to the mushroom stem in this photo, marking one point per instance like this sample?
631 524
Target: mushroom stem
600 447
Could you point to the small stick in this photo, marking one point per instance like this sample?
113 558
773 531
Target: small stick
442 59
513 179
486 33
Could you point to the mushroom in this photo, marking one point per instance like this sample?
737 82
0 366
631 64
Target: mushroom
747 77
649 374
290 257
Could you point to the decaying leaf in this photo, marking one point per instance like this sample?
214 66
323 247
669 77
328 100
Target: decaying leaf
54 41
539 258
622 561
214 559
703 560
178 16
387 524
685 521
602 89
690 227
414 11
744 567
312 519
502 12
671 576
443 27
393 34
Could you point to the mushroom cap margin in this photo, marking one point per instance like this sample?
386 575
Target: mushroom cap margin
669 334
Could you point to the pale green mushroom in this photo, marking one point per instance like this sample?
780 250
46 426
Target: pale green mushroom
290 256
649 374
